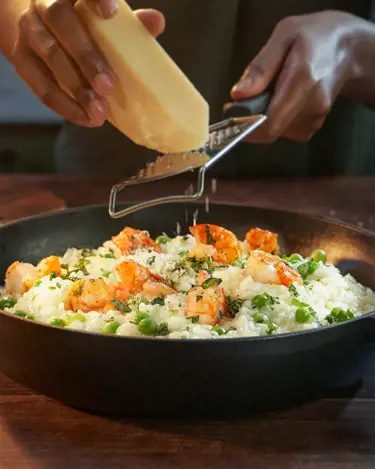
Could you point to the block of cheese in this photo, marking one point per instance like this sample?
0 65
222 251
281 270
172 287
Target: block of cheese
155 104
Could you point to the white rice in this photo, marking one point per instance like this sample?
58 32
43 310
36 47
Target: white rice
324 290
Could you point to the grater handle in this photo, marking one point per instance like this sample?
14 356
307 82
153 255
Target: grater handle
246 107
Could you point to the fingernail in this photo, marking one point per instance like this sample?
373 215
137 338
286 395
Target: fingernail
107 9
104 84
243 85
97 110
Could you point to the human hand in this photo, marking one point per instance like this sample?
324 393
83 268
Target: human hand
61 63
312 58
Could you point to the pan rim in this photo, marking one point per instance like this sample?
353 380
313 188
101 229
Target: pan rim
220 340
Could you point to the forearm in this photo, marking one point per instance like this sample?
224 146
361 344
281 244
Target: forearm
10 12
361 86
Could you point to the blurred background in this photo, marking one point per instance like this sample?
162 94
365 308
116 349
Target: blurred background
27 128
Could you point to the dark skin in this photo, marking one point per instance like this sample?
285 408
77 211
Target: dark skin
316 58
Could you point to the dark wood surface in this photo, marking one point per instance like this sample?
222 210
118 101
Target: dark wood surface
336 432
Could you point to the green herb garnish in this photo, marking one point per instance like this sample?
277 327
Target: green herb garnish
234 306
210 282
158 301
210 238
120 306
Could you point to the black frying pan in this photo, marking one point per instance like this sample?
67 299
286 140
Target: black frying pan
148 377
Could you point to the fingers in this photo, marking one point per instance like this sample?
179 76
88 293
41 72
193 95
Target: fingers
30 68
104 8
61 18
153 20
66 75
261 71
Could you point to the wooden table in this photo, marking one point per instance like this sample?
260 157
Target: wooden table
336 432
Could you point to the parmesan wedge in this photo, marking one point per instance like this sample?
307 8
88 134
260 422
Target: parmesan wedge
155 104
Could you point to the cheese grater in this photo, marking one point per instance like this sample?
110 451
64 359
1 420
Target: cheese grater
246 116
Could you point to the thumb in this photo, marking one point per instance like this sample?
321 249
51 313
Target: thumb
263 69
153 20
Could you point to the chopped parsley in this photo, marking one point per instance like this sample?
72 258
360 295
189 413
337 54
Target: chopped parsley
163 329
210 282
238 263
53 275
82 266
201 264
37 283
158 301
234 306
108 256
88 253
79 290
219 330
293 290
199 297
58 285
120 306
151 260
183 253
51 288
220 315
271 328
105 273
210 238
194 319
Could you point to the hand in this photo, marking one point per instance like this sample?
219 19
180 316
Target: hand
312 55
60 62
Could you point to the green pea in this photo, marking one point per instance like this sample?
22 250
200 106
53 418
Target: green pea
20 314
7 303
312 267
58 323
162 239
260 318
319 256
148 327
140 317
76 317
302 315
259 301
111 327
219 330
295 258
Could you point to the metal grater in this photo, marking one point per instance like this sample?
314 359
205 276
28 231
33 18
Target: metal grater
223 137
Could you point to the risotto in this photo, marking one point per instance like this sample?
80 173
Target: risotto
204 285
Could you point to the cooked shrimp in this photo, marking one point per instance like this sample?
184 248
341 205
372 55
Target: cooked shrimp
49 265
19 278
263 240
140 279
209 303
203 275
88 295
129 240
267 268
227 247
